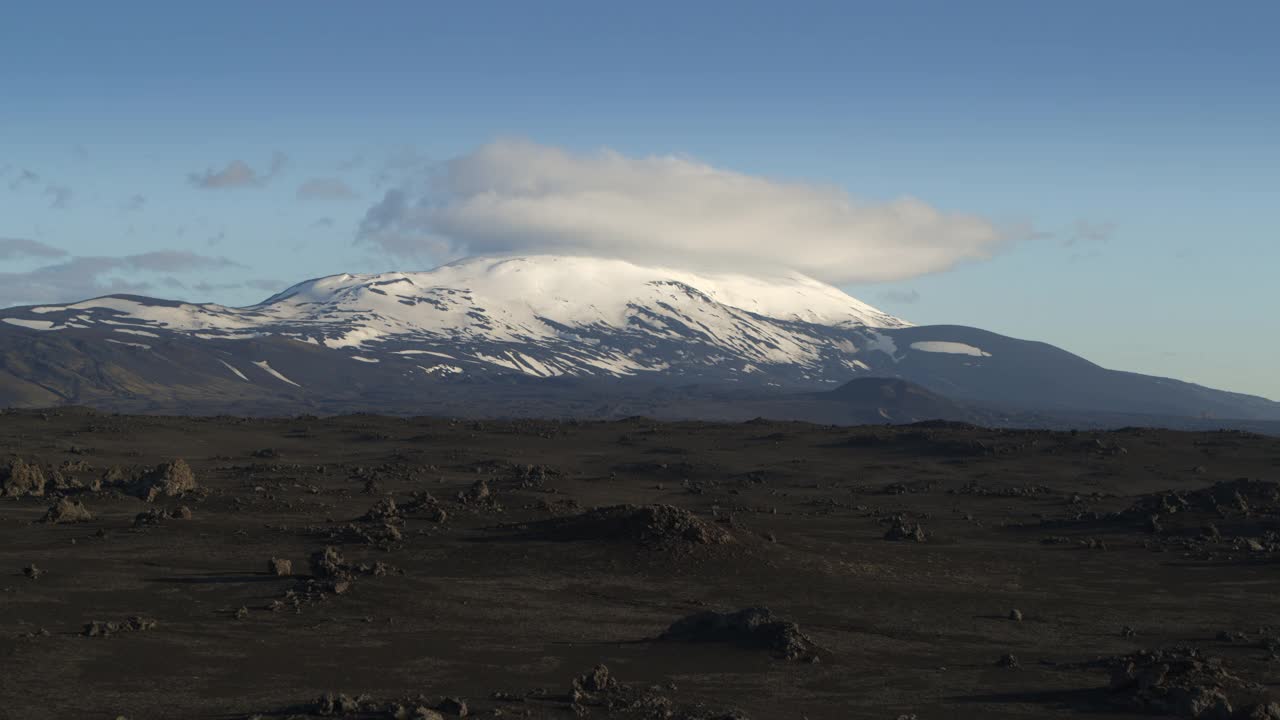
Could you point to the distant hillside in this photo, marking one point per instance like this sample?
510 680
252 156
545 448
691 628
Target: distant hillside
562 336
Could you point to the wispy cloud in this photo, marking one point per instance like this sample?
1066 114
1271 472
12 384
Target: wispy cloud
207 287
176 261
902 297
1086 232
404 167
238 174
59 196
14 248
520 197
79 278
25 177
325 189
267 285
134 204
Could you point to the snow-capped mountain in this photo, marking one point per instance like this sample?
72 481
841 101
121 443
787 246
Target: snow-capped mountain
555 327
542 316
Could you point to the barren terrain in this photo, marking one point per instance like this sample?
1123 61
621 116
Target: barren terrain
385 567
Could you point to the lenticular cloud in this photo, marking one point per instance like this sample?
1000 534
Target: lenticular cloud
520 197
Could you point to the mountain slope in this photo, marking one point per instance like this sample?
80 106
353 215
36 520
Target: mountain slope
564 335
543 316
862 401
1038 376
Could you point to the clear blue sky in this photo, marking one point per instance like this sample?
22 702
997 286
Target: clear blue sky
1142 139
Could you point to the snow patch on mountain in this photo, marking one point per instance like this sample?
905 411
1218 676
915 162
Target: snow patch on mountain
441 369
266 367
544 316
31 324
884 344
144 346
130 331
953 348
235 370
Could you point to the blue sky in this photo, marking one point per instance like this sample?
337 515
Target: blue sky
1133 144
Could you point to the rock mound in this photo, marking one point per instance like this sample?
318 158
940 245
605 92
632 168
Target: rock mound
425 503
384 511
1235 515
67 511
599 689
597 693
533 477
1184 682
753 628
1239 496
136 623
902 529
157 516
659 527
342 704
331 573
20 479
479 495
170 479
329 564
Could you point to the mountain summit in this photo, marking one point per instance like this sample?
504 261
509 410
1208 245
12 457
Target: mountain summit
539 315
524 292
403 341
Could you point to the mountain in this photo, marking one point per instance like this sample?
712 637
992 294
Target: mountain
564 335
896 400
861 401
543 316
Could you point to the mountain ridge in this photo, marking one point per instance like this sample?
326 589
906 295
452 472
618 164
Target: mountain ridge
541 315
396 341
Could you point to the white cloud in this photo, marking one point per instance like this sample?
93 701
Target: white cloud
238 174
78 278
520 197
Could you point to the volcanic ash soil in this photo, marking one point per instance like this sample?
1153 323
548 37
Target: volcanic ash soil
370 567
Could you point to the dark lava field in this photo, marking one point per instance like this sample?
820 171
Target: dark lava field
370 567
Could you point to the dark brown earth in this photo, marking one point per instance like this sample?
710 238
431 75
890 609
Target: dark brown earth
379 567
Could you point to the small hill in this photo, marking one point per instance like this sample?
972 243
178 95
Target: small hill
896 400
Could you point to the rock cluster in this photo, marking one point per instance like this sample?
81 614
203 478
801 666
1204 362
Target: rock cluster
659 527
1184 682
755 628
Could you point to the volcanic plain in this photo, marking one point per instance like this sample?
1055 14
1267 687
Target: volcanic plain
375 567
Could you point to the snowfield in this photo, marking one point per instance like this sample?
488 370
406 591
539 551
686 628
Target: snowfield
953 348
543 316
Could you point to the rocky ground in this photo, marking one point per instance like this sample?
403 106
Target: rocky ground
374 567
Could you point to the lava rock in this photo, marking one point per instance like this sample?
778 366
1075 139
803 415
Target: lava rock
751 628
20 479
904 530
170 479
67 511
